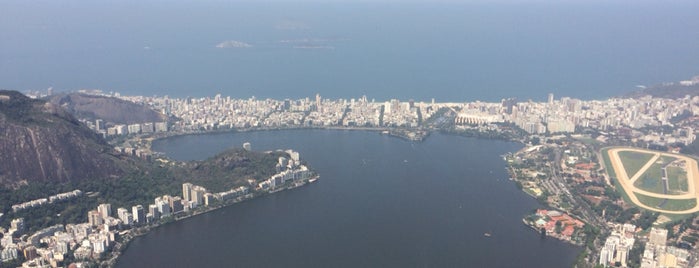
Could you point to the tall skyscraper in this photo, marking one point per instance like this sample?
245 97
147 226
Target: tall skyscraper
139 214
658 236
550 98
105 210
187 191
125 216
153 210
198 196
319 100
94 217
163 207
176 204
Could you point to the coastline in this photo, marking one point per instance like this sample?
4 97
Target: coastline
413 135
402 133
512 218
123 245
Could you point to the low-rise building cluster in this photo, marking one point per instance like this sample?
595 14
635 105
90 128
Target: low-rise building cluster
108 129
50 199
557 224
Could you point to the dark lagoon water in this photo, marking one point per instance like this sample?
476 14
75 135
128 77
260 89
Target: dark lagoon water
380 202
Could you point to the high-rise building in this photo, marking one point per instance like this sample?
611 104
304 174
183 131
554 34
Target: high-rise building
94 218
105 210
198 196
17 225
153 211
187 191
163 206
139 215
550 98
121 211
30 253
658 236
125 216
208 199
99 124
176 204
319 100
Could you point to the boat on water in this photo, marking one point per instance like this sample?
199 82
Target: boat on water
313 180
487 234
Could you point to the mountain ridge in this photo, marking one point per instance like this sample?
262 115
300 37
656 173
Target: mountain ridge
107 108
40 141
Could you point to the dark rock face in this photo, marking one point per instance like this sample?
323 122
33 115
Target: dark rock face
106 108
39 141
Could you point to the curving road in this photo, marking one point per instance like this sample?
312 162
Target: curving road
631 190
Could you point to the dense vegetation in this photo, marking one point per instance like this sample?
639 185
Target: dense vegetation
222 172
17 107
669 91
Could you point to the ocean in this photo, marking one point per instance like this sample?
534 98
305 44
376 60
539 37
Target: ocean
447 50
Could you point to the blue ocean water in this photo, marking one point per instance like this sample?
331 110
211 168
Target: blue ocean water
450 51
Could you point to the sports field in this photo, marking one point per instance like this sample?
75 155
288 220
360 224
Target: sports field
656 181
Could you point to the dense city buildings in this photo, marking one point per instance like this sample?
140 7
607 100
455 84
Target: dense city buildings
560 165
636 118
102 231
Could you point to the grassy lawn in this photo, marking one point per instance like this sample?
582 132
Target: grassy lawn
612 175
651 180
677 179
680 204
673 205
633 161
588 141
649 201
678 217
666 159
650 183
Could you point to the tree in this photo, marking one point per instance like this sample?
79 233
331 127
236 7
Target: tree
559 227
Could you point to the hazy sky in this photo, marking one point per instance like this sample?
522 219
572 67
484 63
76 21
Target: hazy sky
341 48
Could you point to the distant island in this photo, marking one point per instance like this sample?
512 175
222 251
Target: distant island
233 44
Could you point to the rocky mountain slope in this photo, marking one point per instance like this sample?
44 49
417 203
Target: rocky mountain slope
40 141
109 109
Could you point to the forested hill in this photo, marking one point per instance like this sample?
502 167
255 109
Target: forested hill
673 90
